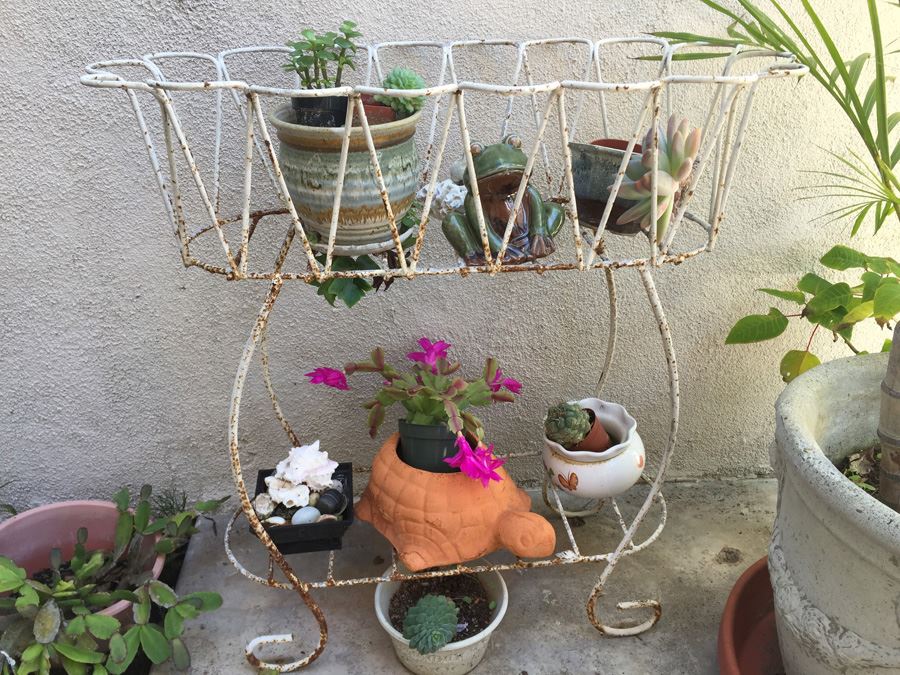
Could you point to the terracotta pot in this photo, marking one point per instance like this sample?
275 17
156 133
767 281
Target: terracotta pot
376 113
594 168
455 658
28 538
748 641
435 519
597 439
310 158
598 475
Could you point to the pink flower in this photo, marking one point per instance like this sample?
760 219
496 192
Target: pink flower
500 382
328 376
431 353
479 464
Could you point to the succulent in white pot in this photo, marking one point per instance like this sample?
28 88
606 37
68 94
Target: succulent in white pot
588 473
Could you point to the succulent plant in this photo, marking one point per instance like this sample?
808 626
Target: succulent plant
403 78
430 623
567 424
678 148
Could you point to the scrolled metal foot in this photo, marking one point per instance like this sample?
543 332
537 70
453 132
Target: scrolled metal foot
253 658
622 631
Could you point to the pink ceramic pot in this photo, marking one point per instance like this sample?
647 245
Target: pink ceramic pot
28 538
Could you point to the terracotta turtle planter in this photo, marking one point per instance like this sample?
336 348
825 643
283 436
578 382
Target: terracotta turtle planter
435 519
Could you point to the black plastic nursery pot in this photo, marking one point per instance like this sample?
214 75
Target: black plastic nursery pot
325 111
325 536
426 446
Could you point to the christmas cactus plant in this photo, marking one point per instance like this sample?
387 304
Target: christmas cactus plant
433 393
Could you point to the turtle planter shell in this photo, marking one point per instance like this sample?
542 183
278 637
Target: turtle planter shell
435 519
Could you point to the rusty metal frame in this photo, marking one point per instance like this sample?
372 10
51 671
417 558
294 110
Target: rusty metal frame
724 130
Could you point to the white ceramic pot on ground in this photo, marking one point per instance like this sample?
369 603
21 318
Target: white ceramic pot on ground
599 475
834 559
456 658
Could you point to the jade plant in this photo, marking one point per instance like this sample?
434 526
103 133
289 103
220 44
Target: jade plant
403 78
678 148
431 623
567 424
54 620
311 56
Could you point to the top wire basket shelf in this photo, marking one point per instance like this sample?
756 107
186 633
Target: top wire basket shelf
215 124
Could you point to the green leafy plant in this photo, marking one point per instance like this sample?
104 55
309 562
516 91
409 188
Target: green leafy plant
430 623
567 424
350 290
53 619
403 78
678 148
312 55
836 307
874 188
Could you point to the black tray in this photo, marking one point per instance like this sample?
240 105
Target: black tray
324 536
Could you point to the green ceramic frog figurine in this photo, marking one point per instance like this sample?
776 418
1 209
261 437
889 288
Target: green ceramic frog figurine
499 169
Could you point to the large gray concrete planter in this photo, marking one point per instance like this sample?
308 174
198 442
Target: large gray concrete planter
834 559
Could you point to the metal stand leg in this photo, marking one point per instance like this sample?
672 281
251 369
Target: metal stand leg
654 493
256 337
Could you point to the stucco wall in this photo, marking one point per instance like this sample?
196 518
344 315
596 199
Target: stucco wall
116 364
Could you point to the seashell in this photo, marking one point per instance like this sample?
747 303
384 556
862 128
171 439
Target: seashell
306 515
285 492
332 501
263 505
275 520
326 516
313 498
307 464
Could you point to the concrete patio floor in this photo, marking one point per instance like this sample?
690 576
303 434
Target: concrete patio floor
715 530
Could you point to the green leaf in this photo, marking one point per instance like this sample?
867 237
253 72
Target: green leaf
812 283
173 625
843 258
794 296
124 531
47 622
102 626
122 499
796 362
211 505
11 578
141 609
836 295
78 654
181 658
186 610
859 313
165 546
142 515
154 644
28 597
117 648
117 666
757 327
76 626
886 347
887 300
205 601
162 594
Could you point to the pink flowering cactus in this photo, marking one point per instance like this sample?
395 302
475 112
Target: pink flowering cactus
480 463
433 393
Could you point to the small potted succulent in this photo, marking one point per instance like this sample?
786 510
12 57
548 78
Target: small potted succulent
442 626
596 166
306 502
310 155
311 58
437 402
381 109
585 461
81 590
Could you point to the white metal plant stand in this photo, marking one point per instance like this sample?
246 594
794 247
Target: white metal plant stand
726 96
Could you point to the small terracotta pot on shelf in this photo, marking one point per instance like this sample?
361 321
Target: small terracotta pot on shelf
597 439
376 113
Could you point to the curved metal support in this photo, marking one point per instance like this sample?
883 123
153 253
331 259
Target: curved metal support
256 336
654 493
267 379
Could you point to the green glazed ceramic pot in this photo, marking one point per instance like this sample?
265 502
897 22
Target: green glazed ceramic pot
310 157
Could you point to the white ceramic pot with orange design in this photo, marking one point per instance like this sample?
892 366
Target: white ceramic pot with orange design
598 475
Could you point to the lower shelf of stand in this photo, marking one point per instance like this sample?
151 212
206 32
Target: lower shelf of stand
609 515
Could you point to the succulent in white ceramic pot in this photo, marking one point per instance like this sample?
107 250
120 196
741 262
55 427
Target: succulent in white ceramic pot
429 649
598 475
